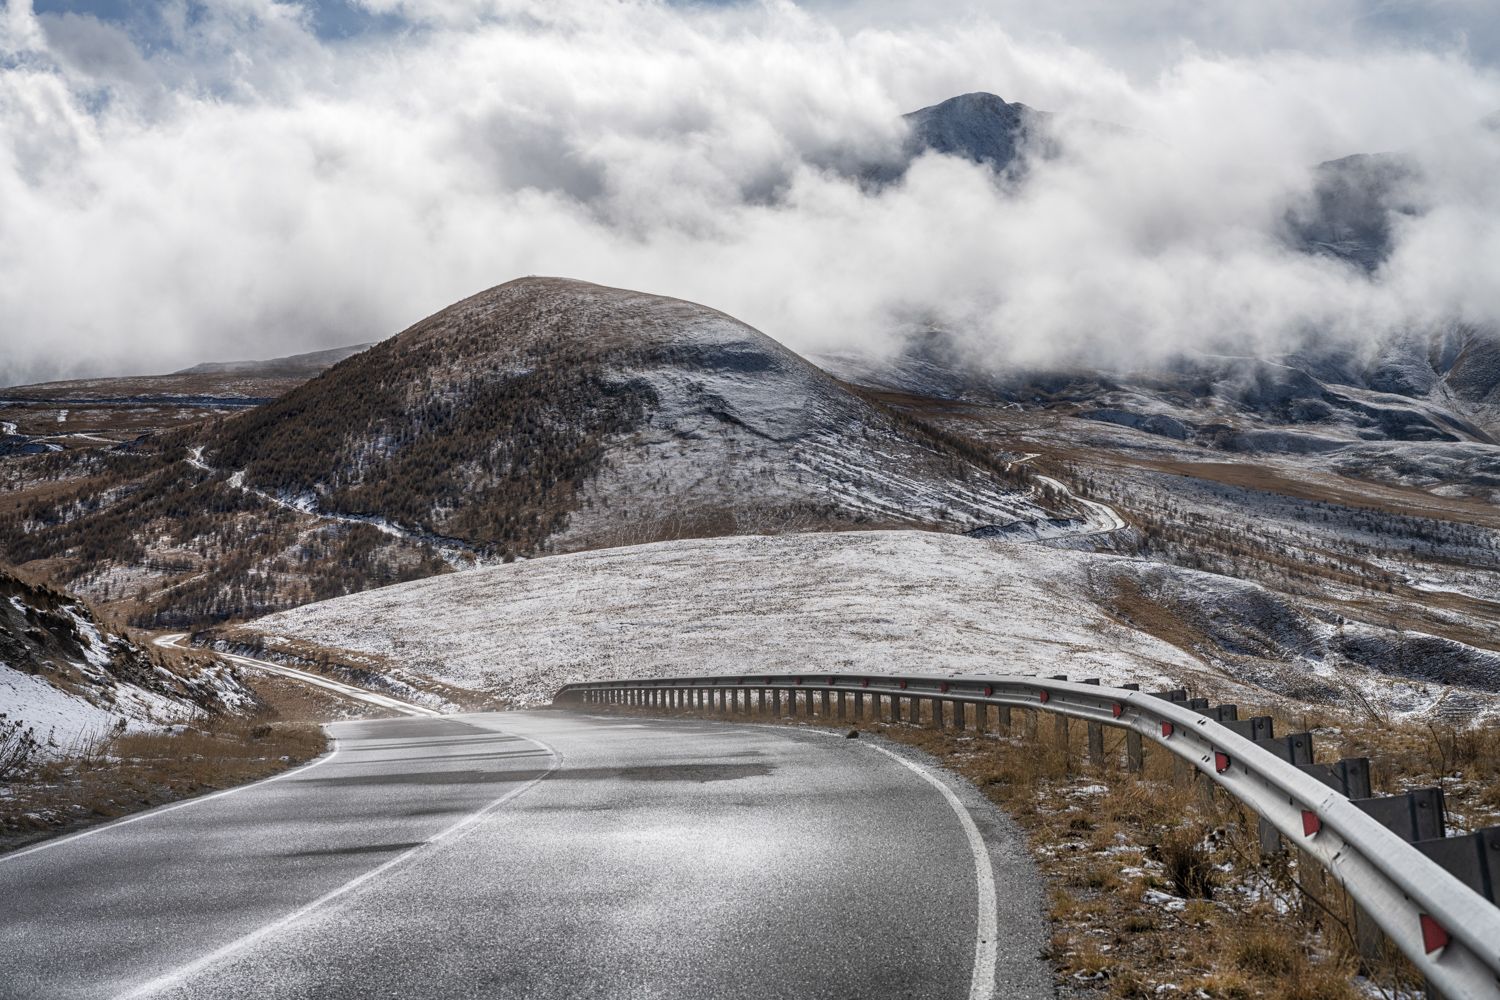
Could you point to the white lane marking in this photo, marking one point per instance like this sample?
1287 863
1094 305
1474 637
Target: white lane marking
173 640
986 947
151 813
982 982
450 834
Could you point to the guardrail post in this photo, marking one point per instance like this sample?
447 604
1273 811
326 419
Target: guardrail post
959 710
1413 816
1096 736
896 709
1002 719
827 707
843 709
776 703
1135 752
859 706
935 705
1096 744
1474 859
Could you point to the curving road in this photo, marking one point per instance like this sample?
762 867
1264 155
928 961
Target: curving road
541 855
174 640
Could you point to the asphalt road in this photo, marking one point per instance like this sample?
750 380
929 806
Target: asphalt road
542 855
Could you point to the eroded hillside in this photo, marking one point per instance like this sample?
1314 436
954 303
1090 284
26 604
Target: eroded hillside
68 676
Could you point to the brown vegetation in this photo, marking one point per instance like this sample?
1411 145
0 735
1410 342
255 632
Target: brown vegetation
124 772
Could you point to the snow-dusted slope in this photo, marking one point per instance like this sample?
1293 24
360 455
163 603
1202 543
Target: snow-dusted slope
878 601
882 601
66 676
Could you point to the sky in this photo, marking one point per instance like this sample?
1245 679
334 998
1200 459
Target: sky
221 179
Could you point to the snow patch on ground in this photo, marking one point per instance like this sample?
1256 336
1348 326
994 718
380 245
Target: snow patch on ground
67 719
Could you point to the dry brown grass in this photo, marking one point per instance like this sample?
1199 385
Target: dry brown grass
1463 760
1133 608
119 773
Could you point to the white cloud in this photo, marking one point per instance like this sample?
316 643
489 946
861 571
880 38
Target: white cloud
249 190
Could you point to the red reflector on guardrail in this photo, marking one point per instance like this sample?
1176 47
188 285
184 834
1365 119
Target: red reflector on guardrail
1042 696
1166 730
943 686
1221 761
1117 709
864 682
831 682
1434 934
799 680
903 685
989 689
1310 823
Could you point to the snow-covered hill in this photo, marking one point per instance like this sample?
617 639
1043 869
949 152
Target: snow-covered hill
878 601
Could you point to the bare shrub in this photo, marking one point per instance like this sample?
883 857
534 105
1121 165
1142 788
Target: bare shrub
18 746
1187 862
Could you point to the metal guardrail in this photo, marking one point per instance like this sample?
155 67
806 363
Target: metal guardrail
1449 931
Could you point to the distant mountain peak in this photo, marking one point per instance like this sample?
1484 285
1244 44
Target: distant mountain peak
979 127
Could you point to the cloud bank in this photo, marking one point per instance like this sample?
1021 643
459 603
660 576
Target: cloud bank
233 184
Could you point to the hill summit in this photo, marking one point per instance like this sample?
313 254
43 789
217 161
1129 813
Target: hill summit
548 413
